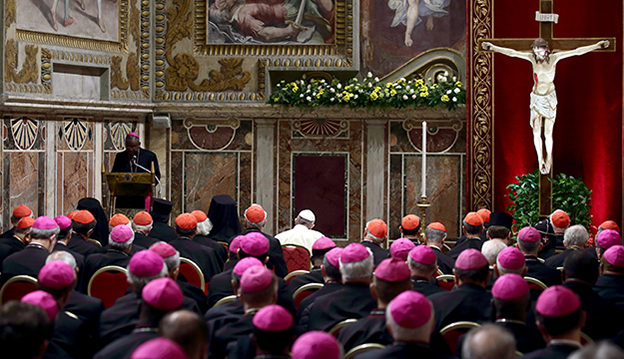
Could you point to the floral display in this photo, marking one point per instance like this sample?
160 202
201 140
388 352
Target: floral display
371 92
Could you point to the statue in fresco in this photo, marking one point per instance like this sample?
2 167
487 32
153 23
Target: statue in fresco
410 12
271 21
543 96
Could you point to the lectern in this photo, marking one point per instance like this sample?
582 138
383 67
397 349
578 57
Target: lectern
131 187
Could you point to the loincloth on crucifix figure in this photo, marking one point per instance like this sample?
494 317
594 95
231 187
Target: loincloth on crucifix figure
543 103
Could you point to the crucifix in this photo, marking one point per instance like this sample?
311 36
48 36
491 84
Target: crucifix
543 96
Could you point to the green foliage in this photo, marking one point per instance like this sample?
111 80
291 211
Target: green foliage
569 194
371 92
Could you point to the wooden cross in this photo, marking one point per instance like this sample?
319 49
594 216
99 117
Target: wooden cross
546 33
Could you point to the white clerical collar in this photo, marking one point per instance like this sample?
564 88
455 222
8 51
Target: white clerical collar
434 246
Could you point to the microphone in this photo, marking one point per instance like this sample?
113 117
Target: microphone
134 158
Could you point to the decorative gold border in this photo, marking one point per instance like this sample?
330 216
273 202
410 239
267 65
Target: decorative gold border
145 47
480 117
72 41
343 37
46 76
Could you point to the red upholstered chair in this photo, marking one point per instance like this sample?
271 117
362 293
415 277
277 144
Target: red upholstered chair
108 284
446 281
535 283
193 274
335 330
293 274
17 287
227 246
452 332
297 257
304 291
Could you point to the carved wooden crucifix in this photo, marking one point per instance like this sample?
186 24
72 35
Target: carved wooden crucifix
543 96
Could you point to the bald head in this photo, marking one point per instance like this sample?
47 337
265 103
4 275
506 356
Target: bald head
187 329
490 341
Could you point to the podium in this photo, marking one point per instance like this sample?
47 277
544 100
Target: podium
129 186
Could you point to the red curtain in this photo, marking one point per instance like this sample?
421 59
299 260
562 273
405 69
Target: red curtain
588 128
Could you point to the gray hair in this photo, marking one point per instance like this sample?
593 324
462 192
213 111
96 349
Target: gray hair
502 270
401 334
120 246
420 267
369 235
258 225
491 249
36 233
528 247
204 228
575 235
602 349
139 282
489 341
62 256
304 222
433 235
146 228
358 270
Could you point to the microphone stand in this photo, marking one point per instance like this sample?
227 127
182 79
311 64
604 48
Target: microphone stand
148 171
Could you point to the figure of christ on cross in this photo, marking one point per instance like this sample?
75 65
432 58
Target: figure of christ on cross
543 96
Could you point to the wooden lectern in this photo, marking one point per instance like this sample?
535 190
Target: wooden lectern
125 184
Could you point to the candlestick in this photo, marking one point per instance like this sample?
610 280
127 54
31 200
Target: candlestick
424 159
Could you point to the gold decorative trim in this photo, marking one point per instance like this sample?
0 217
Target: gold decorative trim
81 43
144 47
79 57
9 13
480 118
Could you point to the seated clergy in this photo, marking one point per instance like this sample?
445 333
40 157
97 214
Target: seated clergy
423 265
319 248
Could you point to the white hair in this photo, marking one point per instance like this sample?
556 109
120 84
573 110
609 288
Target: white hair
204 227
370 235
62 256
401 334
36 233
574 236
491 249
358 270
144 229
502 270
490 341
121 246
551 221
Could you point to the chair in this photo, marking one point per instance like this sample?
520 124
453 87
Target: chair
453 331
445 248
17 287
362 348
540 260
293 274
226 245
192 273
560 269
535 283
229 298
438 273
108 284
586 340
336 328
94 241
446 281
297 257
305 291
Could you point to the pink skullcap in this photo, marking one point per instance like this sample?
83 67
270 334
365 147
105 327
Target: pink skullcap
529 234
242 265
423 254
254 243
134 134
43 300
235 244
333 256
470 259
146 264
557 301
44 222
323 243
608 238
118 219
121 234
510 258
273 318
316 345
163 293
255 279
410 309
56 275
392 270
165 250
510 286
377 228
400 248
615 255
354 252
63 221
159 348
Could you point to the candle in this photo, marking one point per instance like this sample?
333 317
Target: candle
424 159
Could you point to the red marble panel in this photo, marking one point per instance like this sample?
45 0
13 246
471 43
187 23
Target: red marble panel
23 180
75 179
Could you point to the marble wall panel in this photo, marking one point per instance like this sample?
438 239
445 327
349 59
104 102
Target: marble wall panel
23 170
444 189
291 142
75 180
395 195
244 185
177 182
205 135
207 175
